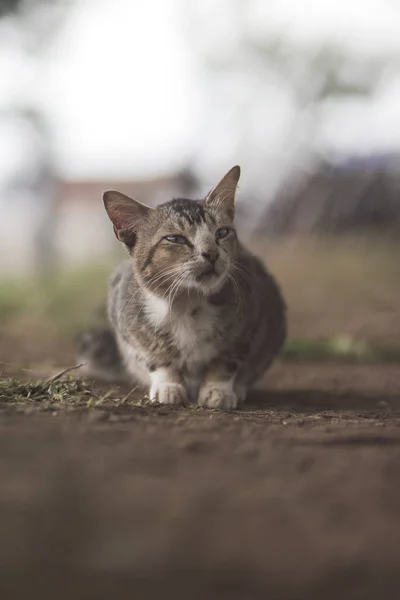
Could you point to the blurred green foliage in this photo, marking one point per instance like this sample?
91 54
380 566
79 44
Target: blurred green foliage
71 299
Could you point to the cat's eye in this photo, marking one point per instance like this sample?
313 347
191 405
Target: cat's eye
222 233
176 239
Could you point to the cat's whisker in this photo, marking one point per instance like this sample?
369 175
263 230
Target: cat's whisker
167 295
162 283
236 290
159 277
168 272
240 271
164 273
175 288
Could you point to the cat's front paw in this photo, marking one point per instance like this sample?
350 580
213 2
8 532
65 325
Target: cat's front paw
218 395
168 393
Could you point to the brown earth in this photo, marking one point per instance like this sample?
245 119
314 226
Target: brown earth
296 496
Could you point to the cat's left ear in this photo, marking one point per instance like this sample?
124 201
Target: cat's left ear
222 196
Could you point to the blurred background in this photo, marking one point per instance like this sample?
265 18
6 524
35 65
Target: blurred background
159 99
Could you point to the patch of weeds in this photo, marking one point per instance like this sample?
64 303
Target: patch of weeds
49 391
62 389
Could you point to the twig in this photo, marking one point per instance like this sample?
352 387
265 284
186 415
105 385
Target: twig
62 373
129 394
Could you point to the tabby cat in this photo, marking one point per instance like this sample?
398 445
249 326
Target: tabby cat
195 316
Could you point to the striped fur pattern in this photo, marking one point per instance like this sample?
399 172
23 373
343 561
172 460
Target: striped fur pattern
195 316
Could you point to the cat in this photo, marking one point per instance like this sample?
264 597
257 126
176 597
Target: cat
195 316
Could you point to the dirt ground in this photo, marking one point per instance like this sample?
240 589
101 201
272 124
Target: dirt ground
297 496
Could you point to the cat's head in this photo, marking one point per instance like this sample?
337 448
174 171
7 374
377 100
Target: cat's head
182 244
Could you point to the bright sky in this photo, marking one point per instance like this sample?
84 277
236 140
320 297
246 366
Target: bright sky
120 88
123 96
362 25
117 87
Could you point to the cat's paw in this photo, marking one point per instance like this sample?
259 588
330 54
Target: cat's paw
168 393
218 395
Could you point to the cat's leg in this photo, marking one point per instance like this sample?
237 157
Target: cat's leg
167 387
218 389
241 391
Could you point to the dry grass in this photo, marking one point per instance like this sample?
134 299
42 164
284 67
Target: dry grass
44 391
63 390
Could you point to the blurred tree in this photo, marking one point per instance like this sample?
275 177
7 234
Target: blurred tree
17 6
37 21
254 72
7 6
34 184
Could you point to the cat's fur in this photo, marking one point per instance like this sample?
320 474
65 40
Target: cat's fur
194 319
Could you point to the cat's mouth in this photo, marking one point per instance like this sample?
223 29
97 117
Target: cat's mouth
206 274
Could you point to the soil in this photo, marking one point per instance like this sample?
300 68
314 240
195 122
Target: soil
296 496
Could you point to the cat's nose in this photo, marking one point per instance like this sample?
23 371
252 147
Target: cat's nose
211 255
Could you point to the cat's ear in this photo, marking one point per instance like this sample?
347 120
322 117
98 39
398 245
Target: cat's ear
125 214
222 196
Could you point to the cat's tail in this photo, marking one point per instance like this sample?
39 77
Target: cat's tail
97 350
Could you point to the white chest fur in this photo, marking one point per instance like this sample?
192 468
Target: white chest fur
192 329
193 335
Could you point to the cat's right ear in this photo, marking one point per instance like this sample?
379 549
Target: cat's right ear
125 215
